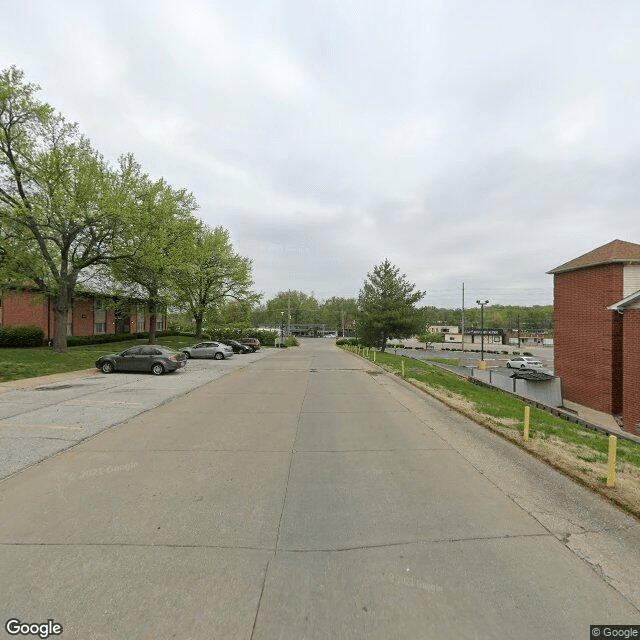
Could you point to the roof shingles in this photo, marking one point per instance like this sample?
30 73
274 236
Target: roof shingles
615 251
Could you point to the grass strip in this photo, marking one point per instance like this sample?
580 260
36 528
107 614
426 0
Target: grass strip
17 364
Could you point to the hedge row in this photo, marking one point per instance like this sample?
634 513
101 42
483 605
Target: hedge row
12 337
238 333
103 338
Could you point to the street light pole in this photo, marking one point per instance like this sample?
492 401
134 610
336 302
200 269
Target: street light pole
281 328
482 328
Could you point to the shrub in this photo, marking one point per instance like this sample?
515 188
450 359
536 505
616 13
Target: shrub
291 341
350 341
224 332
21 337
104 338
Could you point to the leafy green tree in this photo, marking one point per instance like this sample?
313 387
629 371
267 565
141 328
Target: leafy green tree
386 307
158 244
303 308
431 338
61 207
338 313
213 275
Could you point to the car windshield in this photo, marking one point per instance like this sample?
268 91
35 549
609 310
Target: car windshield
130 352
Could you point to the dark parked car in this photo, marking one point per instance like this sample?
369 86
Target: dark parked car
154 358
254 343
238 347
217 350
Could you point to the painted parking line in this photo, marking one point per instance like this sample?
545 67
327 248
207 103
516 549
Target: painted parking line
23 425
99 403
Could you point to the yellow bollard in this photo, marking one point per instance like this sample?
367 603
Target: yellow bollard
402 362
526 422
374 356
611 468
482 365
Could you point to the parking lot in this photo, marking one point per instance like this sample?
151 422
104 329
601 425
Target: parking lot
42 416
468 358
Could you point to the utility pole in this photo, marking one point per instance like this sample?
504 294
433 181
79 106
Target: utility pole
289 313
463 316
482 330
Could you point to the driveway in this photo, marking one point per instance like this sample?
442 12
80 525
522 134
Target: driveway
310 495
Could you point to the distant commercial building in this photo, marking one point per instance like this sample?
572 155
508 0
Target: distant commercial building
597 330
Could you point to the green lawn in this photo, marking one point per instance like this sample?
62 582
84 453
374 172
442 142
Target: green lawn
495 403
16 364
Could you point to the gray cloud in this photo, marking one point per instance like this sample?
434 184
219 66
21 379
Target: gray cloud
478 143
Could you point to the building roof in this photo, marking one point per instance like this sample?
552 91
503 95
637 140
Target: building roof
615 251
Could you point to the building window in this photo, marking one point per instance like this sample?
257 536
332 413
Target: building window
99 317
69 326
140 326
159 325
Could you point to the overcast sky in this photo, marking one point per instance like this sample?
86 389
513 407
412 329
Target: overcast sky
476 142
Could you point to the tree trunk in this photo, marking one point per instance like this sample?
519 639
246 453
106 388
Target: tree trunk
152 321
60 335
61 309
198 318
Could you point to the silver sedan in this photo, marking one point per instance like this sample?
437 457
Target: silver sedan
216 350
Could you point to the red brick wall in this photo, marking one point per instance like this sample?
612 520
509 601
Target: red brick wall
631 350
25 308
82 326
22 308
111 321
587 336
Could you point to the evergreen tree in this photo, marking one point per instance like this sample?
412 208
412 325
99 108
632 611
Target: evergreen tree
386 307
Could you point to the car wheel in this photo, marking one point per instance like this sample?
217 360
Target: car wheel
186 353
508 366
107 367
523 366
157 369
219 356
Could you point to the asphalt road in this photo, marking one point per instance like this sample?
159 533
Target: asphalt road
309 495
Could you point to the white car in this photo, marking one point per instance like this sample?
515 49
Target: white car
523 362
216 350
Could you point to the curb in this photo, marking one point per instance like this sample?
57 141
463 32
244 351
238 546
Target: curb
25 383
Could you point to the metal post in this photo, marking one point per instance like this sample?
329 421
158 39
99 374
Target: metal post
611 467
482 328
463 317
526 422
281 328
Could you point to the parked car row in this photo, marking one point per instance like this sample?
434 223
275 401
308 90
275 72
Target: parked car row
158 359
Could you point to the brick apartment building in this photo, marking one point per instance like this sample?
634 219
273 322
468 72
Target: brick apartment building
597 330
90 315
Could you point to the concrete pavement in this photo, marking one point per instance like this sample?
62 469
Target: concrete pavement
42 416
309 495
